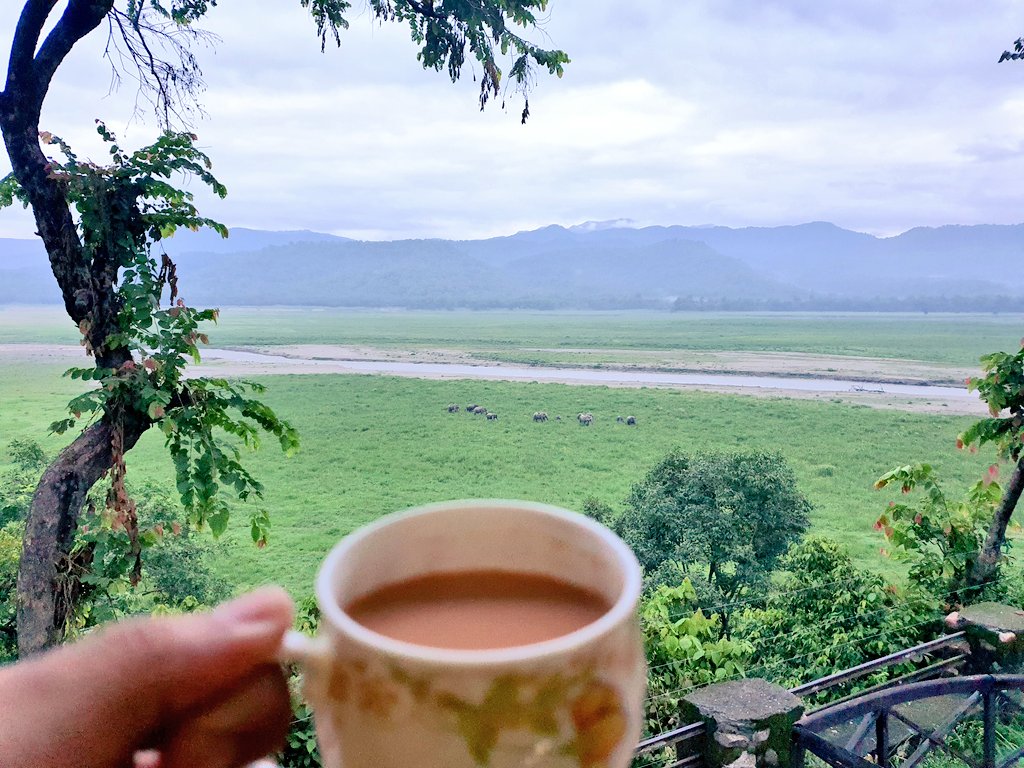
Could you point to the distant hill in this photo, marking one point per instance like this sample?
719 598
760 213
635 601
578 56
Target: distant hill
242 239
592 265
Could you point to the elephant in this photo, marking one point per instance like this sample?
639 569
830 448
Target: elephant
492 416
585 419
453 408
631 421
471 407
619 420
479 410
540 416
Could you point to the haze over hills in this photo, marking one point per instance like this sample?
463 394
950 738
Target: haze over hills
591 265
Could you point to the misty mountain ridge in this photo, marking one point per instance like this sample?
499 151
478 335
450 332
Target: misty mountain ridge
610 264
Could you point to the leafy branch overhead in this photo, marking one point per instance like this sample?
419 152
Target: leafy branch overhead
1002 388
446 33
1017 53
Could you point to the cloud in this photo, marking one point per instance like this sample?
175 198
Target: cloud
738 112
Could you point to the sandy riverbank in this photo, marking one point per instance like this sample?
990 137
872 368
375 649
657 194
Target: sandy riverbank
321 359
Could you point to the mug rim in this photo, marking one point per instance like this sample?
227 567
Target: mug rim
621 610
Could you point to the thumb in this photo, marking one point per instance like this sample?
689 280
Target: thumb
93 703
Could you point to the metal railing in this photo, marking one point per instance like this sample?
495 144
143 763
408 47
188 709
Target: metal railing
687 739
822 732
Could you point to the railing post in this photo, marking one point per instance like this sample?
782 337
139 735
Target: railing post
749 723
882 738
799 752
995 633
989 718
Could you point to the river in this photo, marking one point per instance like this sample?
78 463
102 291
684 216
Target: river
593 376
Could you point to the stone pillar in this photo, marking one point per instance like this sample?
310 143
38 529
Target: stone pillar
995 633
749 723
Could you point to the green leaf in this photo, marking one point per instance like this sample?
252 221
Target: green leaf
219 522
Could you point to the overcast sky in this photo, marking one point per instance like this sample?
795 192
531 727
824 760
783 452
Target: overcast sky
876 115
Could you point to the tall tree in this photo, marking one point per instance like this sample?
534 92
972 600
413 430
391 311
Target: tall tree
720 519
98 223
1002 389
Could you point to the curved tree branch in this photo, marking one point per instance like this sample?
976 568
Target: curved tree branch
26 38
28 79
157 54
79 19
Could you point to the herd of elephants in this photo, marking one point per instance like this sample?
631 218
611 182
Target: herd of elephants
585 419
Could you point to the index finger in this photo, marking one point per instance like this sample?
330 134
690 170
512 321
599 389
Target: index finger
92 704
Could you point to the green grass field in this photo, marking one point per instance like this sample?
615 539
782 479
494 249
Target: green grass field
514 336
374 444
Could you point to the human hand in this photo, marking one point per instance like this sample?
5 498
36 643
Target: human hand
202 690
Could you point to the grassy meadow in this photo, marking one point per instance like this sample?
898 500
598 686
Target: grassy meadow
373 444
555 337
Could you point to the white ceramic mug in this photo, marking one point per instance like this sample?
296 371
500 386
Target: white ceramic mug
574 701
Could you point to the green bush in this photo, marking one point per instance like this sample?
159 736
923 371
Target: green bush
301 750
720 519
10 551
685 649
175 575
938 536
823 615
18 483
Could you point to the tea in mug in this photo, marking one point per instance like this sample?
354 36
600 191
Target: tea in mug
477 610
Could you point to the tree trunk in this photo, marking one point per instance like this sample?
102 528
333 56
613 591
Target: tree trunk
50 532
87 286
984 567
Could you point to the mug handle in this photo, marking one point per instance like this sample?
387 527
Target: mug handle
297 648
306 651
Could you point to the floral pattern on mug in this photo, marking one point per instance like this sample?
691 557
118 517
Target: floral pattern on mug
579 716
